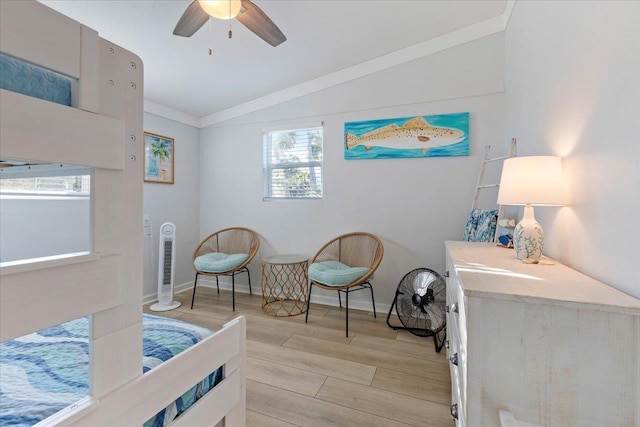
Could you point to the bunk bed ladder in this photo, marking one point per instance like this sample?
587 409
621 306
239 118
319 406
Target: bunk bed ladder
481 185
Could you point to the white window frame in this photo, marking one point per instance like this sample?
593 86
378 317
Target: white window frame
45 170
268 166
49 170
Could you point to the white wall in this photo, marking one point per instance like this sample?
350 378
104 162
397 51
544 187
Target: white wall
177 203
573 90
413 205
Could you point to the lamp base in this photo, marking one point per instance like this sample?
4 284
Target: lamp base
528 237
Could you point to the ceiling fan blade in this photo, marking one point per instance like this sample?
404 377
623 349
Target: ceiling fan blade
252 17
191 20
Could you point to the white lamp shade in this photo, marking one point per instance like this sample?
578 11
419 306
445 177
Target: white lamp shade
222 9
533 180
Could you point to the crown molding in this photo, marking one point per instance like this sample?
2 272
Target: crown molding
171 113
508 10
446 41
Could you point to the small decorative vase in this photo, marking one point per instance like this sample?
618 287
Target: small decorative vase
528 237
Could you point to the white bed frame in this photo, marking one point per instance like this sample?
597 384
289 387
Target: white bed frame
103 130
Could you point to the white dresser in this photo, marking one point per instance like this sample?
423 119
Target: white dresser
542 341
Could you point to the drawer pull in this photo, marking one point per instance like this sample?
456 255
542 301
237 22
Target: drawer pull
454 307
454 359
446 344
453 410
446 273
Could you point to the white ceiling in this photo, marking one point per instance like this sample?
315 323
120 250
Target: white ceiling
323 37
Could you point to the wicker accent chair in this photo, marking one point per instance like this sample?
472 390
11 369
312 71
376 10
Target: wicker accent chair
226 253
346 264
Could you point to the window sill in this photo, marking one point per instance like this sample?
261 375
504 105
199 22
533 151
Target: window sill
289 199
32 264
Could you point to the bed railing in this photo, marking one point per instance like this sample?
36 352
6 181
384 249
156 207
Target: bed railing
133 404
104 131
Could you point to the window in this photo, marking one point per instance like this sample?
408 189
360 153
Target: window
45 210
293 163
44 179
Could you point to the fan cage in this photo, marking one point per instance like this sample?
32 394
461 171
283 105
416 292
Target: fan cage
420 305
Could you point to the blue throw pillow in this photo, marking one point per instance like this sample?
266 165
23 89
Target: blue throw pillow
481 226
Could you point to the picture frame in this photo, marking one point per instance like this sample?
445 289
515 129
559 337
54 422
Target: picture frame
439 135
158 158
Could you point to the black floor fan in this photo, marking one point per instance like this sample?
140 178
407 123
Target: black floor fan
420 304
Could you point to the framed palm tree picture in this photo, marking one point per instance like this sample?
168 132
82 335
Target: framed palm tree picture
158 158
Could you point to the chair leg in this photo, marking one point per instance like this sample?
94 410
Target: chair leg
339 299
347 311
249 275
195 282
233 290
306 317
373 302
217 285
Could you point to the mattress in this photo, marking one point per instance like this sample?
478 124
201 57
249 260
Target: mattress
46 371
27 79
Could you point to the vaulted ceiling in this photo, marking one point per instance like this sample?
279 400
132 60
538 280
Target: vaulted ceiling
324 37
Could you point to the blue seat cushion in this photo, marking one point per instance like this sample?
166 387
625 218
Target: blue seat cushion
334 273
218 262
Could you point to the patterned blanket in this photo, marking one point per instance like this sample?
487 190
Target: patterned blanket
46 371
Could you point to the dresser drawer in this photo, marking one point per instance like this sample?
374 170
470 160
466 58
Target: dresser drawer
457 370
456 347
456 315
547 343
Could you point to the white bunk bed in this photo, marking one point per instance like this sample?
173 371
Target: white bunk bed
103 130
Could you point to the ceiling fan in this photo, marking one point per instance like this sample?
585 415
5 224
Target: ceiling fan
249 15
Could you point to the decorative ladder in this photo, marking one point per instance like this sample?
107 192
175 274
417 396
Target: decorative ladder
480 186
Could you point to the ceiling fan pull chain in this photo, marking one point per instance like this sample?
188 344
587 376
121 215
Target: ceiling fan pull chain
210 37
230 33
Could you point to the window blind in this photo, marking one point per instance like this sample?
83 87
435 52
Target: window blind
293 163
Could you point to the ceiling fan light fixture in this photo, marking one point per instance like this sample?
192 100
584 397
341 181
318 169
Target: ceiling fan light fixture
221 9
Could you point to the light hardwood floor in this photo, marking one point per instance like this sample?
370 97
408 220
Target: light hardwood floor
312 375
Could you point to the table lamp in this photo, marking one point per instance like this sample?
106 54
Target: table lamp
531 181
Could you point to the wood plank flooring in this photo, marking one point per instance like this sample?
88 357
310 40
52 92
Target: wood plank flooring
312 375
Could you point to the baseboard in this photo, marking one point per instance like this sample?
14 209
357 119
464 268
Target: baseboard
331 298
319 296
148 299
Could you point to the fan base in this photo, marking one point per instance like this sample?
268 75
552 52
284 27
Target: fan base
165 307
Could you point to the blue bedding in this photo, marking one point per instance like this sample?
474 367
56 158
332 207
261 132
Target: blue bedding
27 79
46 371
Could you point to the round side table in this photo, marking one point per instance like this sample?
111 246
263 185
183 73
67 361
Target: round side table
284 285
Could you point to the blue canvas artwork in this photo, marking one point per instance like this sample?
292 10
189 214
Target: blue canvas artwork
419 136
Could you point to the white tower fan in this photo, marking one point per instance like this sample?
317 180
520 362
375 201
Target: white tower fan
166 261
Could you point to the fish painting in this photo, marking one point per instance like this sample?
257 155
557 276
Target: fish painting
421 136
